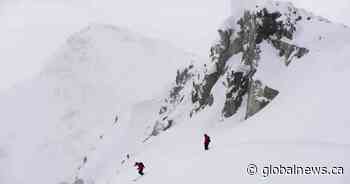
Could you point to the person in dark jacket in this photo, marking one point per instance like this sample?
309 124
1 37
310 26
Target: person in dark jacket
206 142
140 166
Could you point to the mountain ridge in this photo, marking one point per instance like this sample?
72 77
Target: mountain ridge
274 82
85 90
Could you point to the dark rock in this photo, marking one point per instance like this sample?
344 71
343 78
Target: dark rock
79 181
289 51
241 84
299 18
259 97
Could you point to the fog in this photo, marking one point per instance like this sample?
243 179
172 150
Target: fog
31 30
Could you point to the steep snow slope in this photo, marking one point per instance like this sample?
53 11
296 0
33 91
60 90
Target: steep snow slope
274 46
51 123
306 124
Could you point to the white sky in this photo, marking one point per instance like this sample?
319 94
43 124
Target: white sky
31 30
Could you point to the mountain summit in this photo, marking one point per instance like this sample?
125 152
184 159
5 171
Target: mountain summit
272 93
87 88
246 45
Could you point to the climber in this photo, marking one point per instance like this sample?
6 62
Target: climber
140 167
206 142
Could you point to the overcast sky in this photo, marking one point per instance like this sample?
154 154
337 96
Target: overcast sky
31 30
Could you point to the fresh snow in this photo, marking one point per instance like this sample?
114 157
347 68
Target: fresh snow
50 124
306 124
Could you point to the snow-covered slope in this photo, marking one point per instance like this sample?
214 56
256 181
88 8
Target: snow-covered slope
306 124
273 93
50 124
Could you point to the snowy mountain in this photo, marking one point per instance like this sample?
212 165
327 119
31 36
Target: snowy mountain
272 93
51 123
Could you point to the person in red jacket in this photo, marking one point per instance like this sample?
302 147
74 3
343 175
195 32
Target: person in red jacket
206 142
140 167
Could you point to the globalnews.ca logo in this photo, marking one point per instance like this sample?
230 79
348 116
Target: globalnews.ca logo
283 170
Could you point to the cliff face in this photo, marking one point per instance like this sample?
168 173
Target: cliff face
235 59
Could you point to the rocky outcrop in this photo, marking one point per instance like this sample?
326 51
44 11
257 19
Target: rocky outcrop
244 91
259 96
237 87
254 29
176 96
289 51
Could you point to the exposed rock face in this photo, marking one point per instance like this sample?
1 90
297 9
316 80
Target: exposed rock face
78 181
237 86
242 37
259 97
289 51
254 29
176 97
